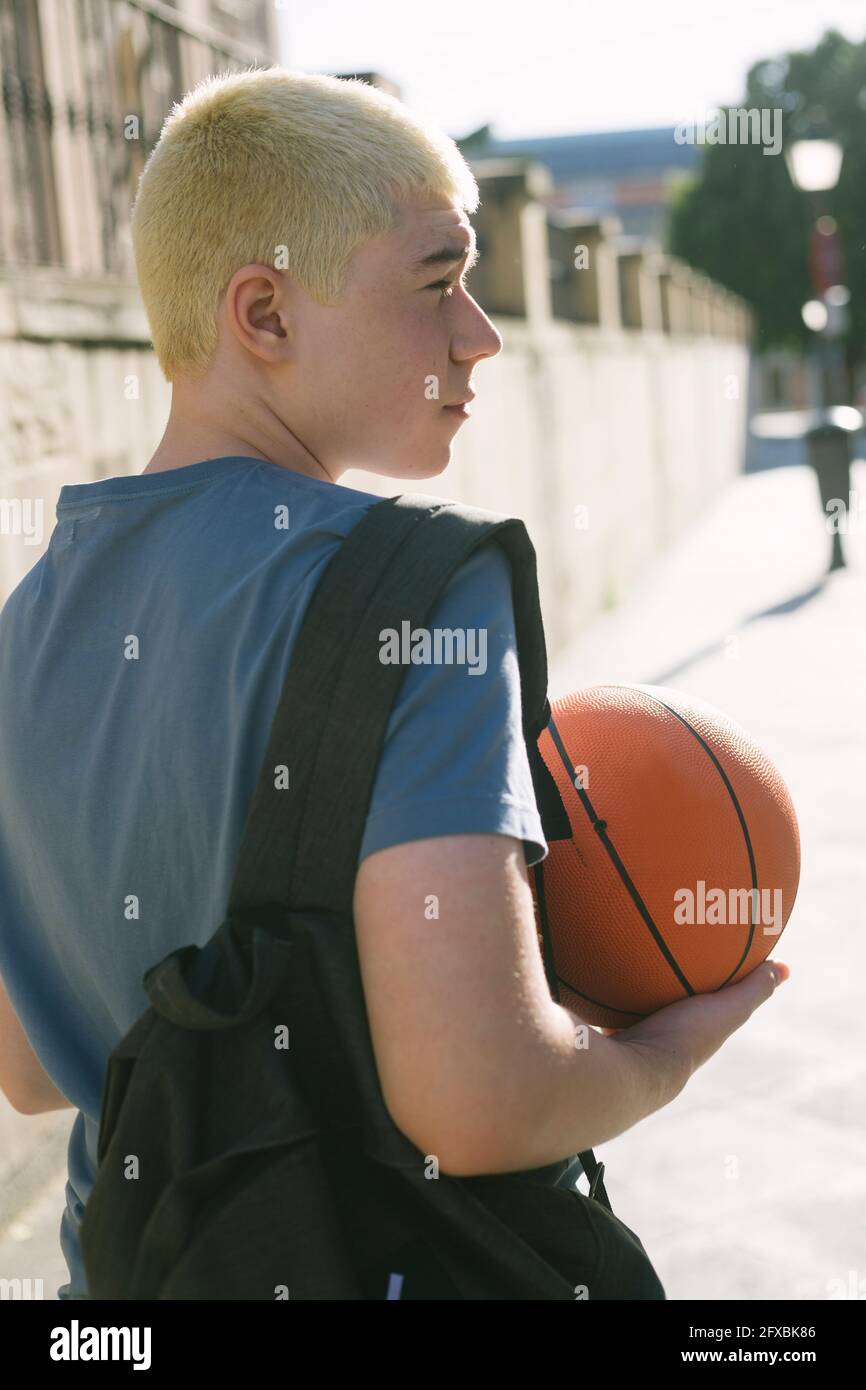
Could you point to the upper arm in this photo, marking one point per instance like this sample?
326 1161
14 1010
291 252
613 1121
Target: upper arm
454 760
453 977
455 991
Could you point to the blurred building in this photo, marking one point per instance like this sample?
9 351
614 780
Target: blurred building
243 21
626 174
86 87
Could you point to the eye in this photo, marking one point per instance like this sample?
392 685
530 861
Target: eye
445 287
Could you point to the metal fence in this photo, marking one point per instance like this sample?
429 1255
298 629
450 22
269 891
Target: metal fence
86 86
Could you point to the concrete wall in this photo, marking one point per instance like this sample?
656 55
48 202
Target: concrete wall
605 444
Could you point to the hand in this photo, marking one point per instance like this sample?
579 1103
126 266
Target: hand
691 1030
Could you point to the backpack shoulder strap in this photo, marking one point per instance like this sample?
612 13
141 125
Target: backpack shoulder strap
300 844
303 832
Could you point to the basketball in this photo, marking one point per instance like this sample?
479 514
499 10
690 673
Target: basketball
684 857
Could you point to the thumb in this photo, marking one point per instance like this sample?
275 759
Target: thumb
761 983
780 971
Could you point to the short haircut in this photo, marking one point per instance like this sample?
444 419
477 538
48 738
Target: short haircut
251 162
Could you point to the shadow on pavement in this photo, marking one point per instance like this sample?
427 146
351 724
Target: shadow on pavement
778 610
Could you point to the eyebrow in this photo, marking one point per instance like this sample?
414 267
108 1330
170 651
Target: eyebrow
448 255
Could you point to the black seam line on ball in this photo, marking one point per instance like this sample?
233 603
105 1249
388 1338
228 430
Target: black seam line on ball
745 829
601 826
602 1003
737 808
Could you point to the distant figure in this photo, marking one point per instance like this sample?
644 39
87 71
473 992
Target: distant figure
829 449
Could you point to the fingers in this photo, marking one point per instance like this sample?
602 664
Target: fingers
763 981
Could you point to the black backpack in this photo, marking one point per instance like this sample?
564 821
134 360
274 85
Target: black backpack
231 1167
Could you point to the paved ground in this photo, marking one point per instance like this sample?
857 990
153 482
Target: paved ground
740 613
30 1245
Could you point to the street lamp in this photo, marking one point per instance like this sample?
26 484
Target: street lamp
814 166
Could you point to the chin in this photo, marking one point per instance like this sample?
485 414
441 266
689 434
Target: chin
431 469
430 465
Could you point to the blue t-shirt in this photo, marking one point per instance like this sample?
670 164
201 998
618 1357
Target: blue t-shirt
126 782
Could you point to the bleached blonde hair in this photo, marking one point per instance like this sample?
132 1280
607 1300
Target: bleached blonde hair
266 158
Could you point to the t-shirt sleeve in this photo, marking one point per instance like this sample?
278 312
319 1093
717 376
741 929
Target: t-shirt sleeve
454 759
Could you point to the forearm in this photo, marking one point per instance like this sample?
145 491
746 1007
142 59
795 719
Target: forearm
40 1096
583 1089
23 1080
48 1098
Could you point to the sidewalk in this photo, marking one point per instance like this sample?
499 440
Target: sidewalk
752 1183
32 1196
30 1245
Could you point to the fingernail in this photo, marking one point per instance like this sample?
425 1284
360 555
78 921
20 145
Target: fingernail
780 972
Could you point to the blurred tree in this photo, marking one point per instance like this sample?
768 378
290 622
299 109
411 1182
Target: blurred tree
745 224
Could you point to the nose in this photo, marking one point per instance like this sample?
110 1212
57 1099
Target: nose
475 337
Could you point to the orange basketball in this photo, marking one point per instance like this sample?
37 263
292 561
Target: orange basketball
684 860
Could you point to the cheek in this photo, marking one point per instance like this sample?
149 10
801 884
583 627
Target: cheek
420 353
391 359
